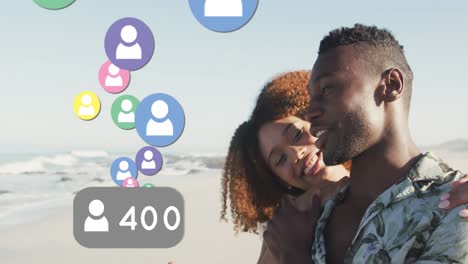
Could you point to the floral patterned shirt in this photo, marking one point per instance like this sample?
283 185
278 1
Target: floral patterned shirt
404 224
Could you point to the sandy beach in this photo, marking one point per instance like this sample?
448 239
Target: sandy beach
206 240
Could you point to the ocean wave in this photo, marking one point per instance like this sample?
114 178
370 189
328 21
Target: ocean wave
23 167
54 164
195 162
88 162
90 153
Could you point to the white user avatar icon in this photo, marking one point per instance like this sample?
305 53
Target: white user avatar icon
86 108
113 79
148 162
124 171
159 110
223 8
126 115
98 222
131 183
128 35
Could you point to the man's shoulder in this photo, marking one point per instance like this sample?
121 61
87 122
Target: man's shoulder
426 197
431 177
414 203
432 169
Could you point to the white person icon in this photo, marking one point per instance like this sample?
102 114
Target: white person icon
86 108
159 110
97 222
223 8
124 171
126 50
223 15
148 162
126 115
113 79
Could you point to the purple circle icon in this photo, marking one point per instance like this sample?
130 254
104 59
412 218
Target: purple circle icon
129 43
149 161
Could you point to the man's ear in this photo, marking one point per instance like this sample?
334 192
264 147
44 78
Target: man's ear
392 85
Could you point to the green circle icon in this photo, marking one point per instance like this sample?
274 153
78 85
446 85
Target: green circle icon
123 111
54 4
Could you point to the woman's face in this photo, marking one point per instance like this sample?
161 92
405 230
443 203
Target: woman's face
288 149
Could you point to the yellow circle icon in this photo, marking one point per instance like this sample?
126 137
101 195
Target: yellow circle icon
87 105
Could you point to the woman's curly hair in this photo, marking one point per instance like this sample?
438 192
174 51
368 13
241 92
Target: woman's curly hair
254 191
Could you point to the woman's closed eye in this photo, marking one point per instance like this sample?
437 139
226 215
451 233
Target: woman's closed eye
280 159
296 134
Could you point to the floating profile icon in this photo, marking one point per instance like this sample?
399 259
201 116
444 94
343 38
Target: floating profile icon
123 111
54 4
86 105
129 44
130 182
159 120
149 160
123 168
112 78
223 15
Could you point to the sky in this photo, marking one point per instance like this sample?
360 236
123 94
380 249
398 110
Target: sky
48 57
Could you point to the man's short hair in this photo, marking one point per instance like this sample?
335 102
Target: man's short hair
378 46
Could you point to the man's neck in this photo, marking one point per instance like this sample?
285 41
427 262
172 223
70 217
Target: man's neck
379 167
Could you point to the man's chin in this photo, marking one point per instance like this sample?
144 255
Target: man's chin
332 158
329 158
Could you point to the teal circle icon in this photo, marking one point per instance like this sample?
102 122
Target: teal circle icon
123 111
54 4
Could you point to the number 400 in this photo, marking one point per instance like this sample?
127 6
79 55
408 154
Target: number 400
129 218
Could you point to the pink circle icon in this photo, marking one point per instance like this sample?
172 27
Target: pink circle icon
130 182
112 78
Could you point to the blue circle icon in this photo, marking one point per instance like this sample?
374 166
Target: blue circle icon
123 168
159 120
223 15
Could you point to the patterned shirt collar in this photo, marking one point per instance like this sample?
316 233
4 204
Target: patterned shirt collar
428 170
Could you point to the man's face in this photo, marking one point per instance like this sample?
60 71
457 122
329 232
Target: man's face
344 114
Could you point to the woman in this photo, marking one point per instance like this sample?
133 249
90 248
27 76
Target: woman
273 154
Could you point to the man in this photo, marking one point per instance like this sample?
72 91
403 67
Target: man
389 212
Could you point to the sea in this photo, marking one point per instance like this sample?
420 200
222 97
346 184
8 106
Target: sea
32 186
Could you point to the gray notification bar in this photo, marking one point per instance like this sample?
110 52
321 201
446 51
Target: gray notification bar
116 217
